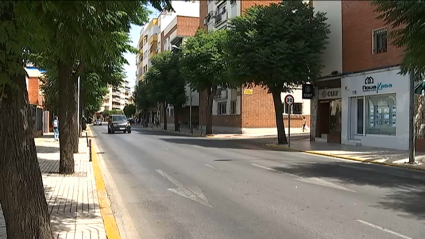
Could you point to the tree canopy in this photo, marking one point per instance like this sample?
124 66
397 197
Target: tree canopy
278 47
204 66
129 110
406 19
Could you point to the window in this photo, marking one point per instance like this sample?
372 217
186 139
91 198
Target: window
381 114
222 108
297 109
221 14
232 1
233 107
360 111
379 41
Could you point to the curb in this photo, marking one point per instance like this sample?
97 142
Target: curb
109 221
404 166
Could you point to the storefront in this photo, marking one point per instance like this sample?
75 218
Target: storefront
329 115
377 104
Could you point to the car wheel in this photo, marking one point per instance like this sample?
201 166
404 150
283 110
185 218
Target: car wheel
124 132
129 131
109 131
112 131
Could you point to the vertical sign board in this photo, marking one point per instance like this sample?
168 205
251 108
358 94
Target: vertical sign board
307 91
289 100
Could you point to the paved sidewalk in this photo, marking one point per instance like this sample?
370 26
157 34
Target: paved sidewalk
72 199
358 153
197 133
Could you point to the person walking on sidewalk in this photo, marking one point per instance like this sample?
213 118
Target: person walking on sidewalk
304 123
55 125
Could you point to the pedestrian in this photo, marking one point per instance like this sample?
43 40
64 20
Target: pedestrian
55 125
304 123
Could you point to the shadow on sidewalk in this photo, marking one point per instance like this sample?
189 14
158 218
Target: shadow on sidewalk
405 194
46 149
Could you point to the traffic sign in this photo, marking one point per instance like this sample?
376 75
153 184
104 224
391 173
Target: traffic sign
289 99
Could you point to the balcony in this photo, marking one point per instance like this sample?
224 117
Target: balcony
153 38
220 16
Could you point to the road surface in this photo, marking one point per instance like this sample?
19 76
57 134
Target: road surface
164 185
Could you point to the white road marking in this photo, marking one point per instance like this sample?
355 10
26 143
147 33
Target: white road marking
210 166
194 194
383 229
322 182
264 167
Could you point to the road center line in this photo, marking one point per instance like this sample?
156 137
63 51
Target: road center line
264 167
210 166
383 229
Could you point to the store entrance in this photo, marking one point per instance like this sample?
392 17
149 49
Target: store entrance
329 121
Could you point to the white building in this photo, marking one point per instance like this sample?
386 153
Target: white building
117 97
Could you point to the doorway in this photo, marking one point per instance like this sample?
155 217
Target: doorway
329 121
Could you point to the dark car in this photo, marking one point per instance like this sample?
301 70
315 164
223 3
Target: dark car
118 123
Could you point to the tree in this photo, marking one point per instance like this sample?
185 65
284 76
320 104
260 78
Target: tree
142 98
406 19
129 110
204 66
21 186
277 47
166 84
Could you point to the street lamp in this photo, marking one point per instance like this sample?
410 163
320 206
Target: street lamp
174 47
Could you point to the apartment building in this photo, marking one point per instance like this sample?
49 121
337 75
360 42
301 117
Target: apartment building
117 97
167 32
248 111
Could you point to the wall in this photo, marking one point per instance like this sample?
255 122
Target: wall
352 86
332 55
357 38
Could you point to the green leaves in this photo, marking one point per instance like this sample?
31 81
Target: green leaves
406 19
276 46
203 64
129 110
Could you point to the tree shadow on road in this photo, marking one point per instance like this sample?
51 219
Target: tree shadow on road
405 194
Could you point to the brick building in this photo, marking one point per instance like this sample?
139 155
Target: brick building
40 118
366 102
248 111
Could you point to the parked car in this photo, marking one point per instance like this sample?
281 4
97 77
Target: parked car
98 122
118 123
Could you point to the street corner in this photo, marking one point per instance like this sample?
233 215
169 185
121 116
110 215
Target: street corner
338 156
282 148
109 220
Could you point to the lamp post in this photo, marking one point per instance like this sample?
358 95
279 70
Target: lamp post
174 47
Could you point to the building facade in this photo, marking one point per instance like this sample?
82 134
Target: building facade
248 111
40 117
361 99
117 97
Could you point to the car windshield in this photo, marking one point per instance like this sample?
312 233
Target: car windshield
119 118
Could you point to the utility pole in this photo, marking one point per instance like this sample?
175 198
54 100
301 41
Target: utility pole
411 117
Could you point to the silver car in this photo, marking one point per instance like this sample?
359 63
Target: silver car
118 123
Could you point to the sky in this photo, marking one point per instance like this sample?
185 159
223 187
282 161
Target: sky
131 68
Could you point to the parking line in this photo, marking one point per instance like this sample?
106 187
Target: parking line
383 229
263 167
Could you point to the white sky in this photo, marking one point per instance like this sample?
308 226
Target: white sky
131 58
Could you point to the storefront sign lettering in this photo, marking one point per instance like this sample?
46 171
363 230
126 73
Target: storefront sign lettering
329 94
369 85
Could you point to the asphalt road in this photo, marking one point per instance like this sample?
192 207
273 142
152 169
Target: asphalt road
163 185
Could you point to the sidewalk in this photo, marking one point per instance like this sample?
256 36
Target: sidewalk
389 157
72 199
197 133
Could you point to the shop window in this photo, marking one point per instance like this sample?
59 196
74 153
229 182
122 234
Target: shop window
297 109
233 107
381 114
335 115
360 111
379 41
222 108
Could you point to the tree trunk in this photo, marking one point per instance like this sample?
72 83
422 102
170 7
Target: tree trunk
208 111
76 138
67 118
23 201
176 119
165 115
281 136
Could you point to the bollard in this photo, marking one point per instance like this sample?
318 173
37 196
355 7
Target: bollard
90 151
87 138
